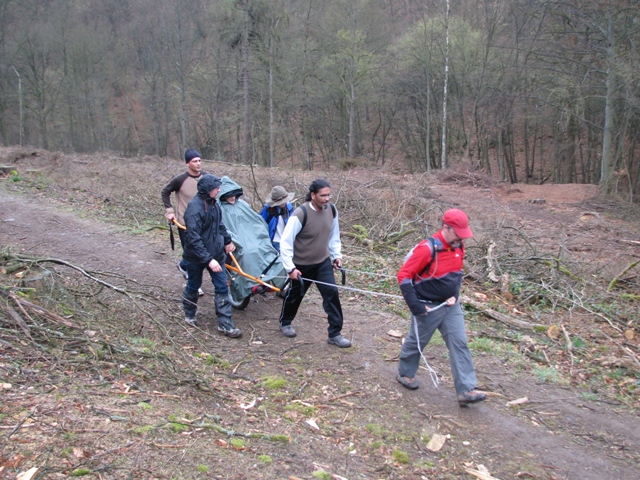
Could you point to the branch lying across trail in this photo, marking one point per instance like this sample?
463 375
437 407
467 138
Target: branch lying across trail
74 267
202 423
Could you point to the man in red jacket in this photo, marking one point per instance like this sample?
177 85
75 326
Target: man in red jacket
432 276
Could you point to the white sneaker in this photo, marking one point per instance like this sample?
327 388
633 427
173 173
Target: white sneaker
191 321
200 292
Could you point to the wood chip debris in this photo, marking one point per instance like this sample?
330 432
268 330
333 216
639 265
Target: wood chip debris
482 473
518 401
395 333
29 474
436 442
312 423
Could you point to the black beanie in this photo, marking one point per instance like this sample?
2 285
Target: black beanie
190 154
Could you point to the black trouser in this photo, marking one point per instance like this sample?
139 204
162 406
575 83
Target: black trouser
322 272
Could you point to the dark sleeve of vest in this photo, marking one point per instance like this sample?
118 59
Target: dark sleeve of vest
408 292
173 186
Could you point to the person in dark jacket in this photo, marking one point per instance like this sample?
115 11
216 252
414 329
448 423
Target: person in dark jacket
430 277
276 212
184 187
207 242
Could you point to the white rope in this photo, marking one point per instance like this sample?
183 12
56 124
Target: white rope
432 373
352 289
370 273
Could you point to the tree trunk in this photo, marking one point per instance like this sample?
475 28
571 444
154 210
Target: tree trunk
605 170
352 120
443 163
271 114
245 83
181 72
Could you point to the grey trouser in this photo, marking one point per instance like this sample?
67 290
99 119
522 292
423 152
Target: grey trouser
450 322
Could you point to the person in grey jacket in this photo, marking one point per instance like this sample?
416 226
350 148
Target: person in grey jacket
207 242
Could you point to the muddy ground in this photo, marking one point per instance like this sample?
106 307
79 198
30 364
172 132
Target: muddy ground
266 406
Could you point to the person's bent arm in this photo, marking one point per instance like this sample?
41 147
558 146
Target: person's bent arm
413 266
169 188
335 245
287 240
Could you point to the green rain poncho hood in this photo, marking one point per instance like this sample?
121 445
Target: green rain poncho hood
250 234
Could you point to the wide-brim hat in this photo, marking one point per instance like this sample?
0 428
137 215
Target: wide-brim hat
279 196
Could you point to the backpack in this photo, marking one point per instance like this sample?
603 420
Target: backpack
434 254
304 213
285 215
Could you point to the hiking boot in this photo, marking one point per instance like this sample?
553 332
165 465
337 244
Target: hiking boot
339 341
200 292
191 321
231 332
406 382
184 273
472 396
288 331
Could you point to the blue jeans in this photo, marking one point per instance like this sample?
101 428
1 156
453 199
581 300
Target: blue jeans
183 239
190 293
195 270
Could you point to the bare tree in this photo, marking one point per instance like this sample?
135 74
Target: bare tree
445 86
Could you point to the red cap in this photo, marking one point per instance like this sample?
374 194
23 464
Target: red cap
458 220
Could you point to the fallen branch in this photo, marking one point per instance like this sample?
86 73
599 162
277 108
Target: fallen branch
569 347
233 433
19 321
77 268
557 264
17 427
38 310
614 281
632 242
501 317
343 396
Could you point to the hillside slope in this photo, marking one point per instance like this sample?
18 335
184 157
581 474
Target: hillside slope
126 390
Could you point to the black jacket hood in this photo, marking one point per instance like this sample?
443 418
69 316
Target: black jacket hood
207 183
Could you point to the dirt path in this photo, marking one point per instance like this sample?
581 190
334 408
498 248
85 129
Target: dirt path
556 435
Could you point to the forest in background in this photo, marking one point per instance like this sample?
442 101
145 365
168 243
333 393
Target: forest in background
536 90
